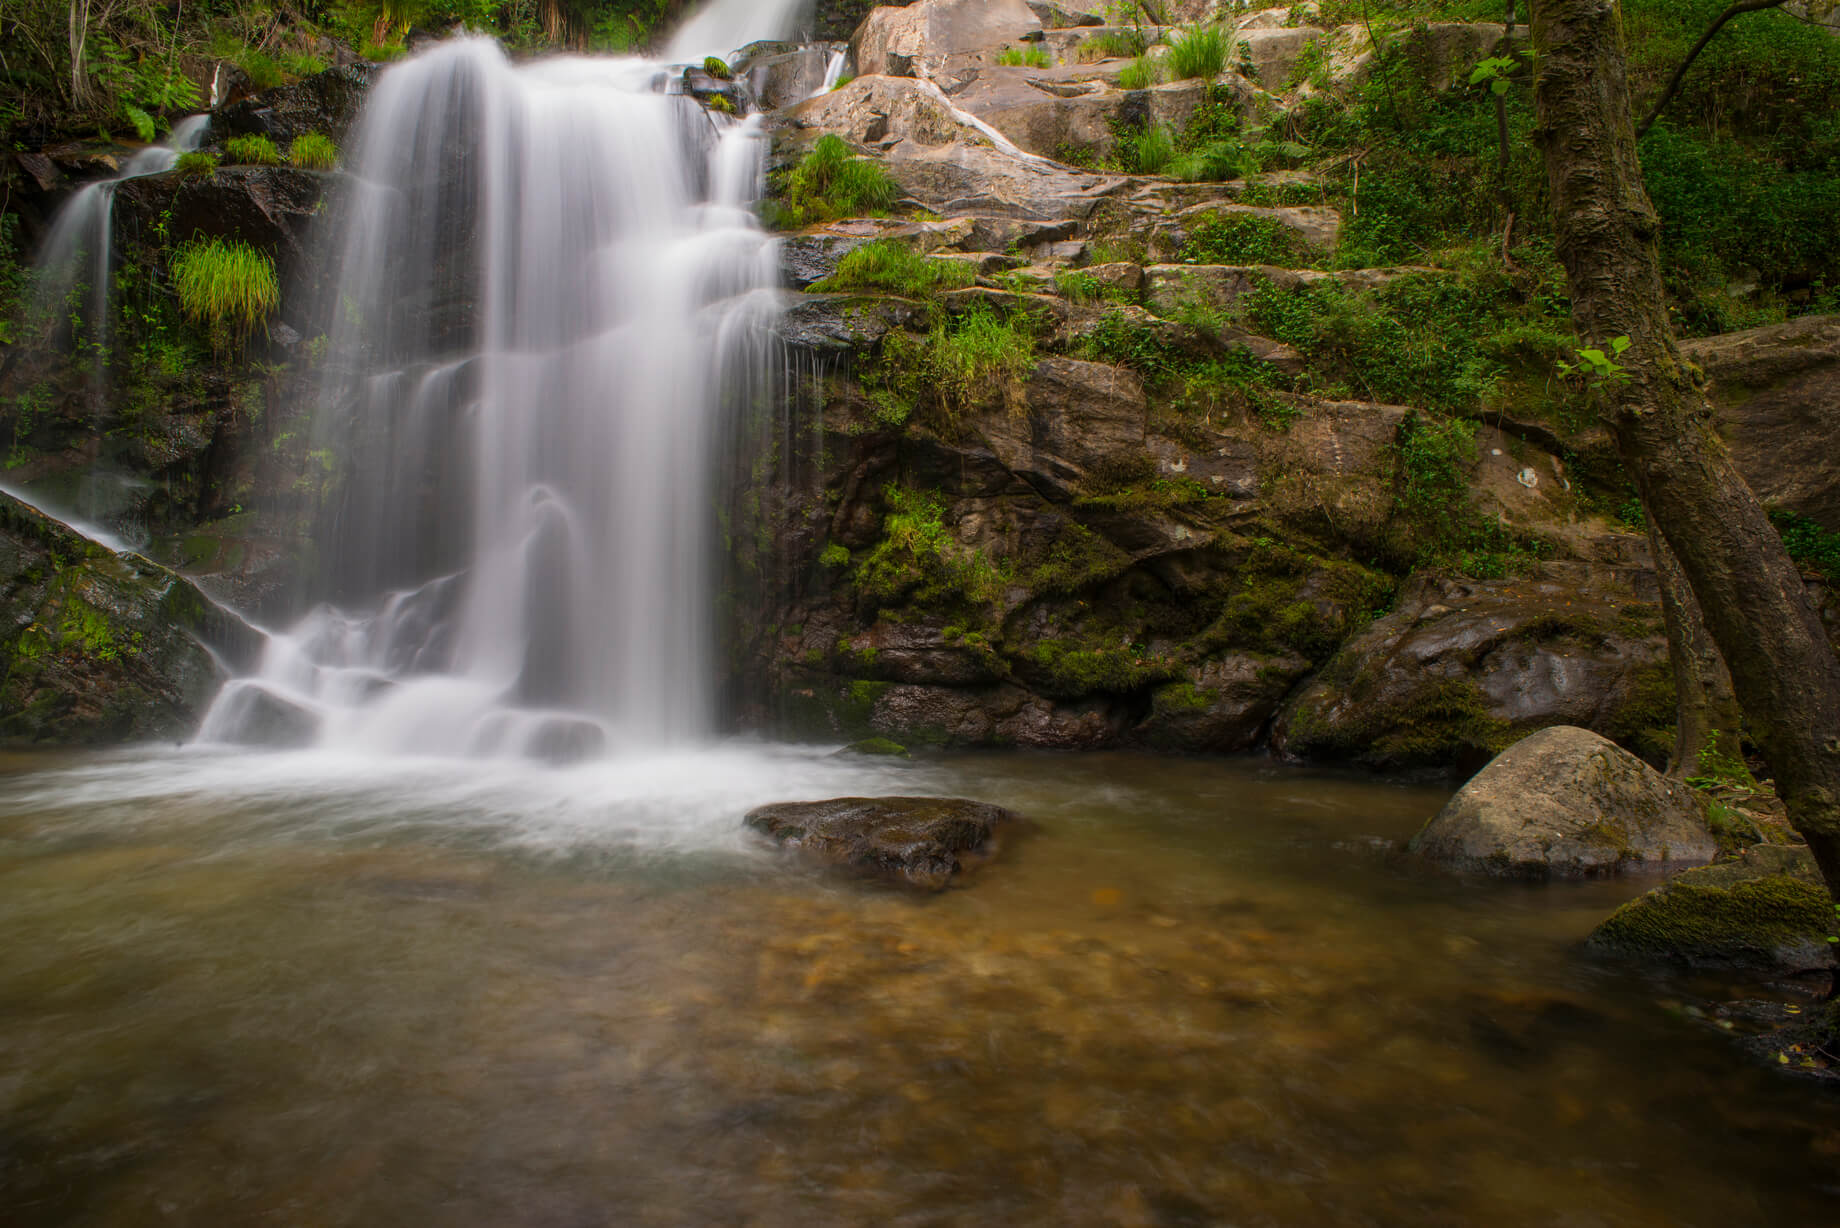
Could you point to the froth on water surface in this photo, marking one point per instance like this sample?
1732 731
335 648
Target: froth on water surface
322 990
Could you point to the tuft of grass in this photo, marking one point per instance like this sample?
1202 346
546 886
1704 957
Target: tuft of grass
841 82
252 151
1025 57
196 163
721 104
1146 151
1140 74
832 182
227 286
303 65
313 152
718 68
895 267
1114 45
1201 52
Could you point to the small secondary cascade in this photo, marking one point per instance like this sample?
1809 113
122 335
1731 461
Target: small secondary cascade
548 276
76 259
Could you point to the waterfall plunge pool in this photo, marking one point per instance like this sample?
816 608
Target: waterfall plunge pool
312 989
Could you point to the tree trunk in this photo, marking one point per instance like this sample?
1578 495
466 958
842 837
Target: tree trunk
79 37
1755 604
1706 707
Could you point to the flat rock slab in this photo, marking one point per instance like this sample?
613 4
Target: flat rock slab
1566 803
925 842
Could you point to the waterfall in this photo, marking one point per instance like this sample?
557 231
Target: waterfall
723 26
71 275
547 277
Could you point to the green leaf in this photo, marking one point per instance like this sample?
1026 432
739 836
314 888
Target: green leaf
1483 73
1618 345
1500 86
1596 358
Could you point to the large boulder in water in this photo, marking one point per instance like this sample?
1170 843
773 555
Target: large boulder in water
1767 911
1566 803
923 841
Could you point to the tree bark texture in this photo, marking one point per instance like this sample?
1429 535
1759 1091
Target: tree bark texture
1756 607
1706 706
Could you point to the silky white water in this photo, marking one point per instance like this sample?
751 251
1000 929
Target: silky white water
548 276
724 26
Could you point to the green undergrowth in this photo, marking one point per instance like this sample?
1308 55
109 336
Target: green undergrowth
830 183
1186 378
895 267
1025 57
980 357
1810 544
918 564
1286 600
1201 51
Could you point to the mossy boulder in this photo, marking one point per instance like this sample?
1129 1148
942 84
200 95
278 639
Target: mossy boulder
1766 911
98 648
923 842
1566 803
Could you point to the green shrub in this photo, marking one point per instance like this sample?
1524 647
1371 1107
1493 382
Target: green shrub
961 364
832 182
196 163
1115 45
263 71
1810 544
888 264
304 65
252 151
1025 57
313 152
226 286
1200 52
1241 238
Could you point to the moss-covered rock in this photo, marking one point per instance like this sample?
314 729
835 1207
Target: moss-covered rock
1766 911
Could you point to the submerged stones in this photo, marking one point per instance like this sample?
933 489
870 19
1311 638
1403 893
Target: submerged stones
925 842
1566 803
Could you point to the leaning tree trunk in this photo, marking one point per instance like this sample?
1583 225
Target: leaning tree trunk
79 69
1706 706
1755 604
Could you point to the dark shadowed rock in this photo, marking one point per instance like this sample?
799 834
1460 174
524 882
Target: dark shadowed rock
1566 803
326 103
1767 911
924 841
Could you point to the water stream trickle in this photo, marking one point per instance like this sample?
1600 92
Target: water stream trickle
548 276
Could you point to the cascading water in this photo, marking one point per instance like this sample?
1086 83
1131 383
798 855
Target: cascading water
549 274
726 25
72 272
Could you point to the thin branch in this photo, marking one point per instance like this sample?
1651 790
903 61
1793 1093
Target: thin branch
1680 74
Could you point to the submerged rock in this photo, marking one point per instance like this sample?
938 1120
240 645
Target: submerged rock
1566 803
1767 911
924 841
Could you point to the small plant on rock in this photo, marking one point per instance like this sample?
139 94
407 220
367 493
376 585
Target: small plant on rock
718 68
832 182
228 287
1024 57
1201 52
196 163
252 151
313 152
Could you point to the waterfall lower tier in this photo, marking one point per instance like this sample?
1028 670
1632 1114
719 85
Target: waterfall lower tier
550 281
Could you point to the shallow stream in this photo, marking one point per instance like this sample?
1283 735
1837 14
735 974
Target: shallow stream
310 990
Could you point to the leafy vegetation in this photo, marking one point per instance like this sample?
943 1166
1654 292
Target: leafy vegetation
831 182
963 362
227 286
197 162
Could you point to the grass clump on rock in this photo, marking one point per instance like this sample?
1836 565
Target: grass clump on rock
313 152
718 68
897 268
1024 57
196 163
1200 52
252 151
832 182
228 287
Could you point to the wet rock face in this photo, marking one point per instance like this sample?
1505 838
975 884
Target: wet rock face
1566 803
96 649
326 103
1768 911
925 842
